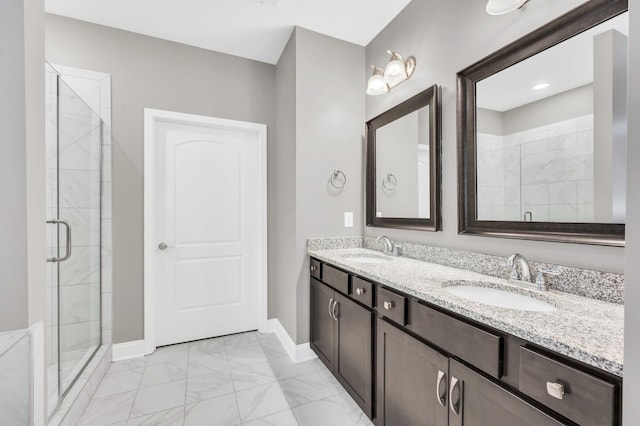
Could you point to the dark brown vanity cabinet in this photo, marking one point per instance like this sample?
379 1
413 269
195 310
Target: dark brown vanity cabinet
342 337
411 380
429 366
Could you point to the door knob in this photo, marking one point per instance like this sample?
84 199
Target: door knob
164 246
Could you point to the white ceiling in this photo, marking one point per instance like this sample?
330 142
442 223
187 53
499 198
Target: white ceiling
565 66
243 28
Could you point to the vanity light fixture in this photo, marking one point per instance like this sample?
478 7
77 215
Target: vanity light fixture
395 72
501 7
540 86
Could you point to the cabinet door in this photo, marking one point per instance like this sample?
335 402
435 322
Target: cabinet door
477 401
411 382
354 363
323 325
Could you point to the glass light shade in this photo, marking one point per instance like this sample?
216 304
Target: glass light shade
500 7
376 85
395 72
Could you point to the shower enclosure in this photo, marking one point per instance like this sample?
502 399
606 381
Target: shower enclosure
73 179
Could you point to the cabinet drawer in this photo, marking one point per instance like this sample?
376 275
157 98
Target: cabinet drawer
468 342
362 291
586 399
315 269
335 278
392 306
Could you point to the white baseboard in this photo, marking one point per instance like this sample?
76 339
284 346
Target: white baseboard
128 350
297 353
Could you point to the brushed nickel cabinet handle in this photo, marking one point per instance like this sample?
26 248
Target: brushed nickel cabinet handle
556 390
454 407
333 310
388 305
330 311
442 398
314 268
360 291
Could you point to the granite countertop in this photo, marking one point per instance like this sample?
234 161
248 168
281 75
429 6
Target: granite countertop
584 329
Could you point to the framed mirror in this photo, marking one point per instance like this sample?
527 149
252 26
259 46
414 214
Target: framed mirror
542 132
403 165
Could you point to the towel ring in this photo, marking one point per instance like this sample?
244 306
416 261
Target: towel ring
334 176
389 182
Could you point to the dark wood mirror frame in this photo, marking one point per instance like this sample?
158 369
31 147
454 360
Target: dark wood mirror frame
428 97
566 26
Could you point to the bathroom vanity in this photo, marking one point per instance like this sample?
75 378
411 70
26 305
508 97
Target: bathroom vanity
410 352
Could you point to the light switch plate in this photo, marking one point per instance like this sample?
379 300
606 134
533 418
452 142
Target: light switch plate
348 219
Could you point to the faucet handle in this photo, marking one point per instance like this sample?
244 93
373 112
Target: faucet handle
397 249
541 280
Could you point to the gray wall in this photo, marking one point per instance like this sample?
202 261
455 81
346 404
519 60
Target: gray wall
151 73
470 35
563 106
319 127
329 123
631 393
282 194
22 194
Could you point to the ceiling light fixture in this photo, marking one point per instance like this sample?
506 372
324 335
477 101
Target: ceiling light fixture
540 86
501 7
395 72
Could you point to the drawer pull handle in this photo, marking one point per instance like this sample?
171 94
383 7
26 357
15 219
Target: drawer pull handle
360 291
314 268
442 397
455 407
556 390
333 310
388 305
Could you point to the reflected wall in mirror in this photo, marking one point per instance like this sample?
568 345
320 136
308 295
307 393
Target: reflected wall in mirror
542 137
403 166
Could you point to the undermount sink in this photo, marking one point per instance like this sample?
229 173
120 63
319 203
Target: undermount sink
367 258
500 298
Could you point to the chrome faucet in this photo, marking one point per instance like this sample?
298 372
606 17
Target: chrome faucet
525 272
388 244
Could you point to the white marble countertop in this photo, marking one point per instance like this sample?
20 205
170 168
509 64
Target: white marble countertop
584 329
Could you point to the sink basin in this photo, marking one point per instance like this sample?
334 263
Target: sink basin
367 258
500 298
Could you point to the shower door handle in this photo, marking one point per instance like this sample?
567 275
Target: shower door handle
67 255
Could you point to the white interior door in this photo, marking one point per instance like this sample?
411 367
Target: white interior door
208 213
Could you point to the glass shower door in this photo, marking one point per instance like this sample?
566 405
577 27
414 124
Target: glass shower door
74 178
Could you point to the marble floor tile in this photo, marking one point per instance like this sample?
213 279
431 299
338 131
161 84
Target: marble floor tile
209 386
206 347
113 383
164 373
241 340
168 354
246 355
108 410
261 401
136 365
159 398
221 411
208 364
283 418
172 417
245 379
321 413
248 376
304 389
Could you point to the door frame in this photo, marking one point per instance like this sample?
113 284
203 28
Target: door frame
151 118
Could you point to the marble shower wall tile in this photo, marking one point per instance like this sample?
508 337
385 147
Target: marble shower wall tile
14 377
